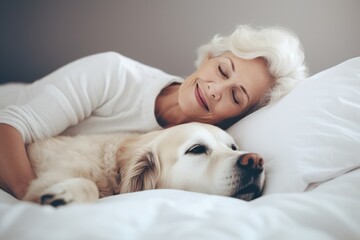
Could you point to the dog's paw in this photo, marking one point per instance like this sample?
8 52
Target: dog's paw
56 199
73 190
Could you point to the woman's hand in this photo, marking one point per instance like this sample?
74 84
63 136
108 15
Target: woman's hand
15 169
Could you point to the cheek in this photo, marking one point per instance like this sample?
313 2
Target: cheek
186 93
189 173
225 110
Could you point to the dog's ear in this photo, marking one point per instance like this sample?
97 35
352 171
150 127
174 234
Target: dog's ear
141 173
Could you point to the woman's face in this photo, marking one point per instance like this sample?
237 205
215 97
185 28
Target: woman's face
223 87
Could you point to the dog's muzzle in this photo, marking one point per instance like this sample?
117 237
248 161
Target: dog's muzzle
251 168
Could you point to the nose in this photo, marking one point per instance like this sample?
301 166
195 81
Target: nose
215 90
251 162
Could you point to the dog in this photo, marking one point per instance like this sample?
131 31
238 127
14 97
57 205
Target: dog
192 157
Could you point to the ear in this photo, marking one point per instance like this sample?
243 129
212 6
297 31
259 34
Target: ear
141 173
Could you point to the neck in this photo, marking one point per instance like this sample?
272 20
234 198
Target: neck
167 110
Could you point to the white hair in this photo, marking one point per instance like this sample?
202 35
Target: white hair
278 46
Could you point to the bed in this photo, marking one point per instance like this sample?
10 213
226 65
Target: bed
310 141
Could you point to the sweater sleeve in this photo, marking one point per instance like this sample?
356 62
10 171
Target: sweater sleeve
65 97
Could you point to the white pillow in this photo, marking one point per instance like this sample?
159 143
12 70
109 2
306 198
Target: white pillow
312 134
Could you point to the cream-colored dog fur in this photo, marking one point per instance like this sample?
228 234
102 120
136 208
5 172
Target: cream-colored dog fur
193 157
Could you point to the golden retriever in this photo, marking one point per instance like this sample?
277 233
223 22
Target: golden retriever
192 157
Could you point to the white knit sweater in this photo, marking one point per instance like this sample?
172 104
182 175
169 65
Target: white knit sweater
101 93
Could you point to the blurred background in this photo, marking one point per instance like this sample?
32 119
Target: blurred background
37 36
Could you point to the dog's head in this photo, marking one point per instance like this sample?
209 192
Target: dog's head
193 157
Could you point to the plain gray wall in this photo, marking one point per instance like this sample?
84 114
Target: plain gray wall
39 36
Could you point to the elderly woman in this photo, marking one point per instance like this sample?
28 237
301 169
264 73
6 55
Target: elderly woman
108 92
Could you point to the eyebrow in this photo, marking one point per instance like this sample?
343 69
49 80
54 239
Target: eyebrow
232 64
246 93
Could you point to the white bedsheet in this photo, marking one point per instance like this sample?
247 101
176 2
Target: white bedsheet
330 211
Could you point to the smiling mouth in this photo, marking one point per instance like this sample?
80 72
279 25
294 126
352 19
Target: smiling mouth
200 99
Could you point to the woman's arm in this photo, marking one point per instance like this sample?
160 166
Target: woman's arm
66 96
15 169
52 104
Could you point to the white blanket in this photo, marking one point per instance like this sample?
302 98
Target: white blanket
330 211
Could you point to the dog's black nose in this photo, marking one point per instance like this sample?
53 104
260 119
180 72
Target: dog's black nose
251 162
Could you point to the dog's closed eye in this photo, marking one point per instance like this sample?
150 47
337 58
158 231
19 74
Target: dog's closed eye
233 147
197 149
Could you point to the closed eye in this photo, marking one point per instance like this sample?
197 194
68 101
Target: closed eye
233 147
197 149
223 74
233 92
